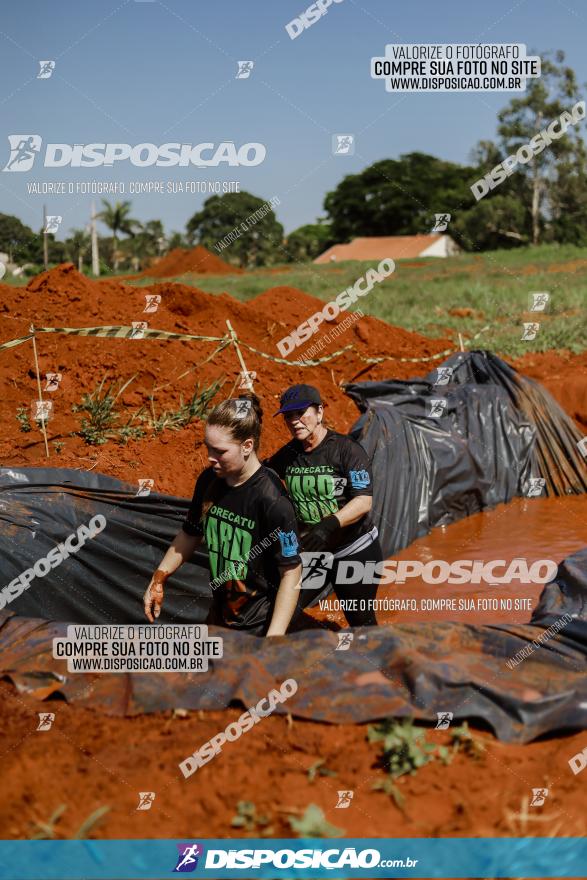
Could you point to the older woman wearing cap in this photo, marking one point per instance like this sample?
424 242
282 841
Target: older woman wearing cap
328 477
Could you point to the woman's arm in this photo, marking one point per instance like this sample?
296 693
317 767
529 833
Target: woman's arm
287 599
181 549
354 509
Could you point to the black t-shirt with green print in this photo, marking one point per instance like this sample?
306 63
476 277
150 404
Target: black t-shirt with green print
323 480
249 530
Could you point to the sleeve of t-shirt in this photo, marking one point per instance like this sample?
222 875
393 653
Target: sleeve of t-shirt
275 462
282 531
357 470
192 524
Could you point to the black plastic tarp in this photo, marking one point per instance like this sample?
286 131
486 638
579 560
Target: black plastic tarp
105 580
401 670
495 434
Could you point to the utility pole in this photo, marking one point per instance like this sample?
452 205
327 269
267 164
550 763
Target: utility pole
45 242
95 259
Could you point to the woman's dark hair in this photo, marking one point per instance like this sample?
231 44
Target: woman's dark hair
242 416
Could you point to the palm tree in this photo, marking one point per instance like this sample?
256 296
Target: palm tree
77 246
116 218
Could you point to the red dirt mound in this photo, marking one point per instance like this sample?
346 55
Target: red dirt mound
180 260
64 298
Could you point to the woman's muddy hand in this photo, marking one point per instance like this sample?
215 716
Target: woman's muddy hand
153 598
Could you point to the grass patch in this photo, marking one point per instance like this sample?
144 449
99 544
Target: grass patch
421 294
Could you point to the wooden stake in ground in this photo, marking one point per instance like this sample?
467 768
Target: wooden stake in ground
43 429
248 382
461 342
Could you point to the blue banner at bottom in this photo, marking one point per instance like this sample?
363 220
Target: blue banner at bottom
288 858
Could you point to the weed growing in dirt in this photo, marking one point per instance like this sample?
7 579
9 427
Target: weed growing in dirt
405 750
313 824
462 740
22 416
101 422
319 769
248 818
196 408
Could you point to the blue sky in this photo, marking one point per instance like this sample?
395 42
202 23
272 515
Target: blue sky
156 72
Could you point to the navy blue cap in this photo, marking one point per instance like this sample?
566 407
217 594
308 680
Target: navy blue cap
298 397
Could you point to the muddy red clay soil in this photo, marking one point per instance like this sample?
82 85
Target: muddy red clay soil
181 260
88 760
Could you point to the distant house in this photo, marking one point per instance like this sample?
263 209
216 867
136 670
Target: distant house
398 247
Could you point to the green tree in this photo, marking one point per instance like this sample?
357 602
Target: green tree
552 185
176 240
116 218
19 241
498 222
307 242
77 246
397 196
251 240
148 241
